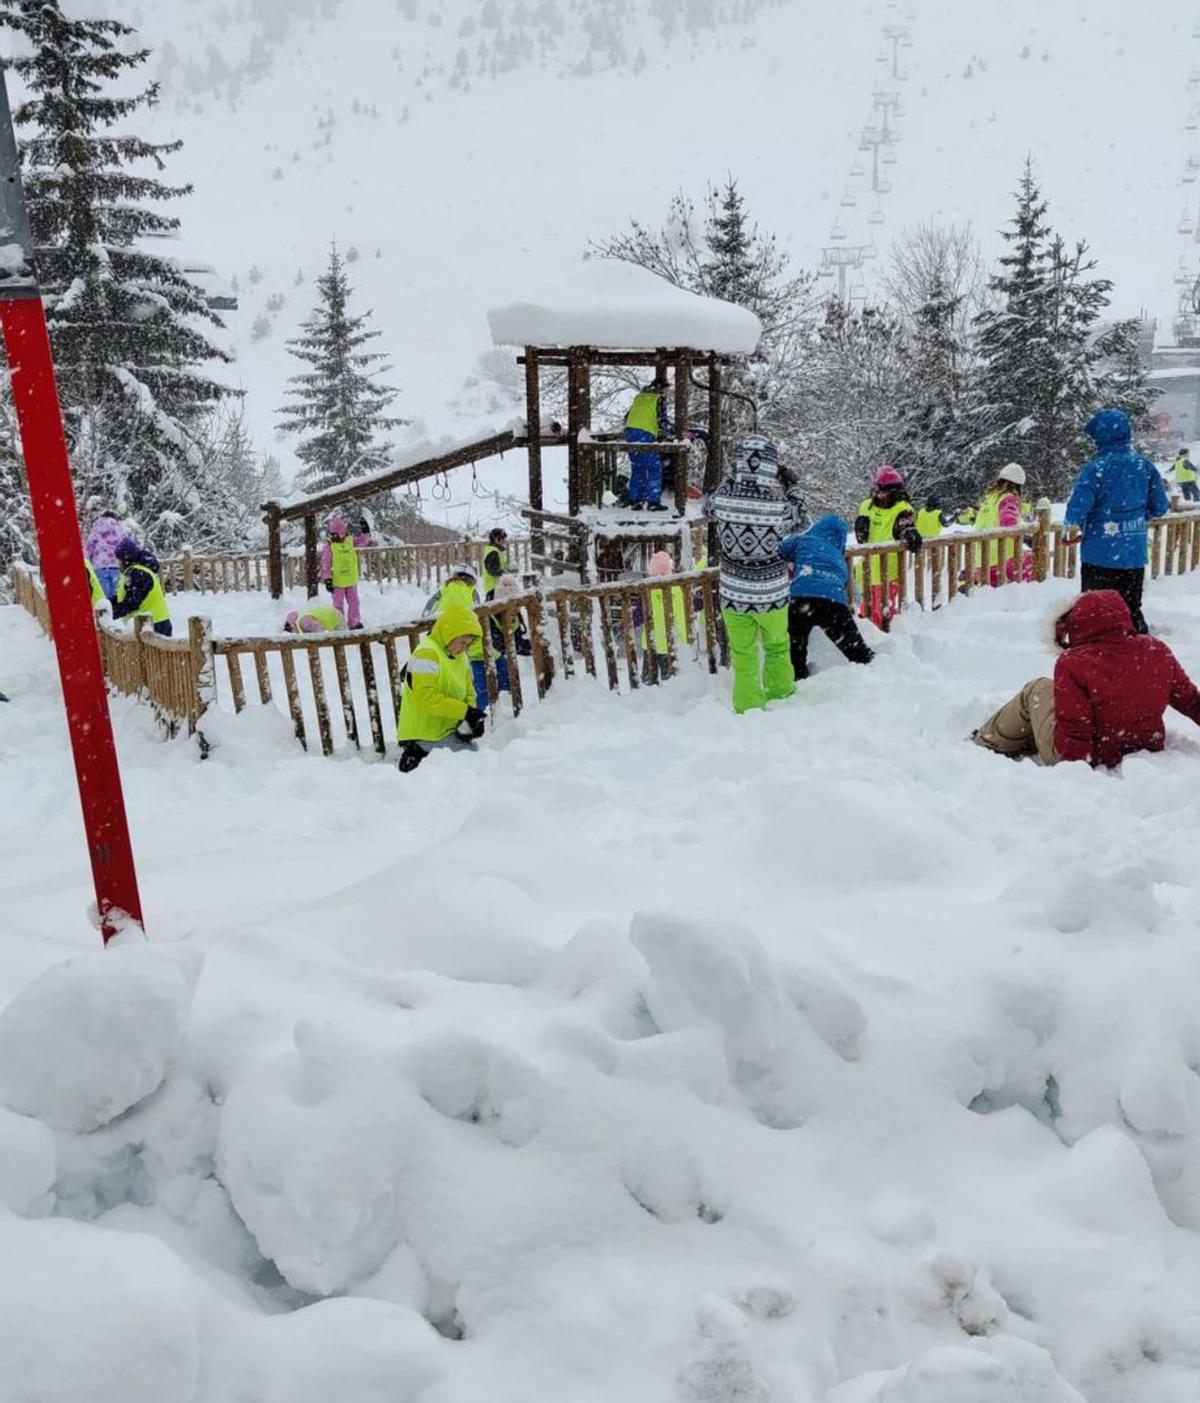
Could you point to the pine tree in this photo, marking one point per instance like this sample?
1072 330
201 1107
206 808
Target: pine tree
724 254
125 323
1014 342
337 407
1124 375
1038 351
932 438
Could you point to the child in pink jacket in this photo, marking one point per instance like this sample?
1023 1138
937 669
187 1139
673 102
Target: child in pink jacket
340 566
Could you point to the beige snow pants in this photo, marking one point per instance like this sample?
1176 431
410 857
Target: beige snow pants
1025 725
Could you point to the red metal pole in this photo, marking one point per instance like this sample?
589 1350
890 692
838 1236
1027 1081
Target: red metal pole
60 548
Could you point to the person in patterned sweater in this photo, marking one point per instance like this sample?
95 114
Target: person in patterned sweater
752 517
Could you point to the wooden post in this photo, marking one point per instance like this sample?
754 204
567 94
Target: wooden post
310 554
712 463
576 369
274 550
683 375
533 437
1041 546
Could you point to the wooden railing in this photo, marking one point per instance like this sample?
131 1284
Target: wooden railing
174 675
344 689
948 565
422 565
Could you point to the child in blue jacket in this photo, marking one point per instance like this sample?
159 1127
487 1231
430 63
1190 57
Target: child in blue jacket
820 578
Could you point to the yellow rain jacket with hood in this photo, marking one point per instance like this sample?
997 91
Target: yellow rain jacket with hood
438 689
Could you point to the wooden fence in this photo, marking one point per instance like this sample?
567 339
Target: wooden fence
174 675
342 691
425 566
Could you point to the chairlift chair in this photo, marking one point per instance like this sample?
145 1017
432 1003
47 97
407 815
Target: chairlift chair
849 199
889 157
825 270
837 234
1185 223
857 170
876 216
884 187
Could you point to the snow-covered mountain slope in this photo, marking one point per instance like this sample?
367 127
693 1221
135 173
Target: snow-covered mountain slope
353 119
651 1054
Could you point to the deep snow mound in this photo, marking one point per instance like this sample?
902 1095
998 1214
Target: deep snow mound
650 1053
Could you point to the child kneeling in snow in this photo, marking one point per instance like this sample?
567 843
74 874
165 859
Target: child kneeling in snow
820 578
437 700
314 618
1110 691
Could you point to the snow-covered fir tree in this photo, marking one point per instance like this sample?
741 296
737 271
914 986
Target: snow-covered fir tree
337 407
1124 374
1039 378
130 332
932 437
839 414
721 252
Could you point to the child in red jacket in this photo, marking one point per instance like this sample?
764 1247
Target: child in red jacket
1110 691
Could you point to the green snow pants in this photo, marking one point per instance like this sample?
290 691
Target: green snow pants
759 677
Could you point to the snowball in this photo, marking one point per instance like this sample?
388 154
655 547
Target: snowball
27 1161
89 1038
93 1316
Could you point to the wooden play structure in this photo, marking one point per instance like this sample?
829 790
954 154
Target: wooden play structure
607 319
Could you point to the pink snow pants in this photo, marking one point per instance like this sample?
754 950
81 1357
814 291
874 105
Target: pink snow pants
345 601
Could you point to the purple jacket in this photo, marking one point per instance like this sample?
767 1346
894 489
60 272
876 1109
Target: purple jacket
102 541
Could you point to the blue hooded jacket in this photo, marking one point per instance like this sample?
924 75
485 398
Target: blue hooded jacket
1114 496
818 560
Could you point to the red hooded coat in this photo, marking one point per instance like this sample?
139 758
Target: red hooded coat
1112 686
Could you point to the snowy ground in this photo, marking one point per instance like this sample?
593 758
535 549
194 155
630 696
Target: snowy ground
255 613
651 1054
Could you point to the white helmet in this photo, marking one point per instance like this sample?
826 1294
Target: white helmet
1012 472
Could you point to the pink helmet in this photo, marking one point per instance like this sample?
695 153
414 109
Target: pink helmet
337 526
887 476
660 563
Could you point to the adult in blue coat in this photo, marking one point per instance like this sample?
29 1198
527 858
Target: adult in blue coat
1116 493
820 578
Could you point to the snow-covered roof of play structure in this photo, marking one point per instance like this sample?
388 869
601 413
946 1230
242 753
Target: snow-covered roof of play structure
604 303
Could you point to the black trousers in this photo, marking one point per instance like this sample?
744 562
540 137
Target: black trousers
1127 583
836 621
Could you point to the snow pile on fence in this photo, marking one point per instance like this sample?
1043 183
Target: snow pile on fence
606 303
650 1054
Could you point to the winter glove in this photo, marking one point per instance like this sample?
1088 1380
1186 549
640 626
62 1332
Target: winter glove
912 539
364 526
862 529
410 757
475 721
328 585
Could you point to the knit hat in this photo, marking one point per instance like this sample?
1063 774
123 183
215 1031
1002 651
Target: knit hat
507 587
660 563
887 476
756 453
465 568
1012 472
337 526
